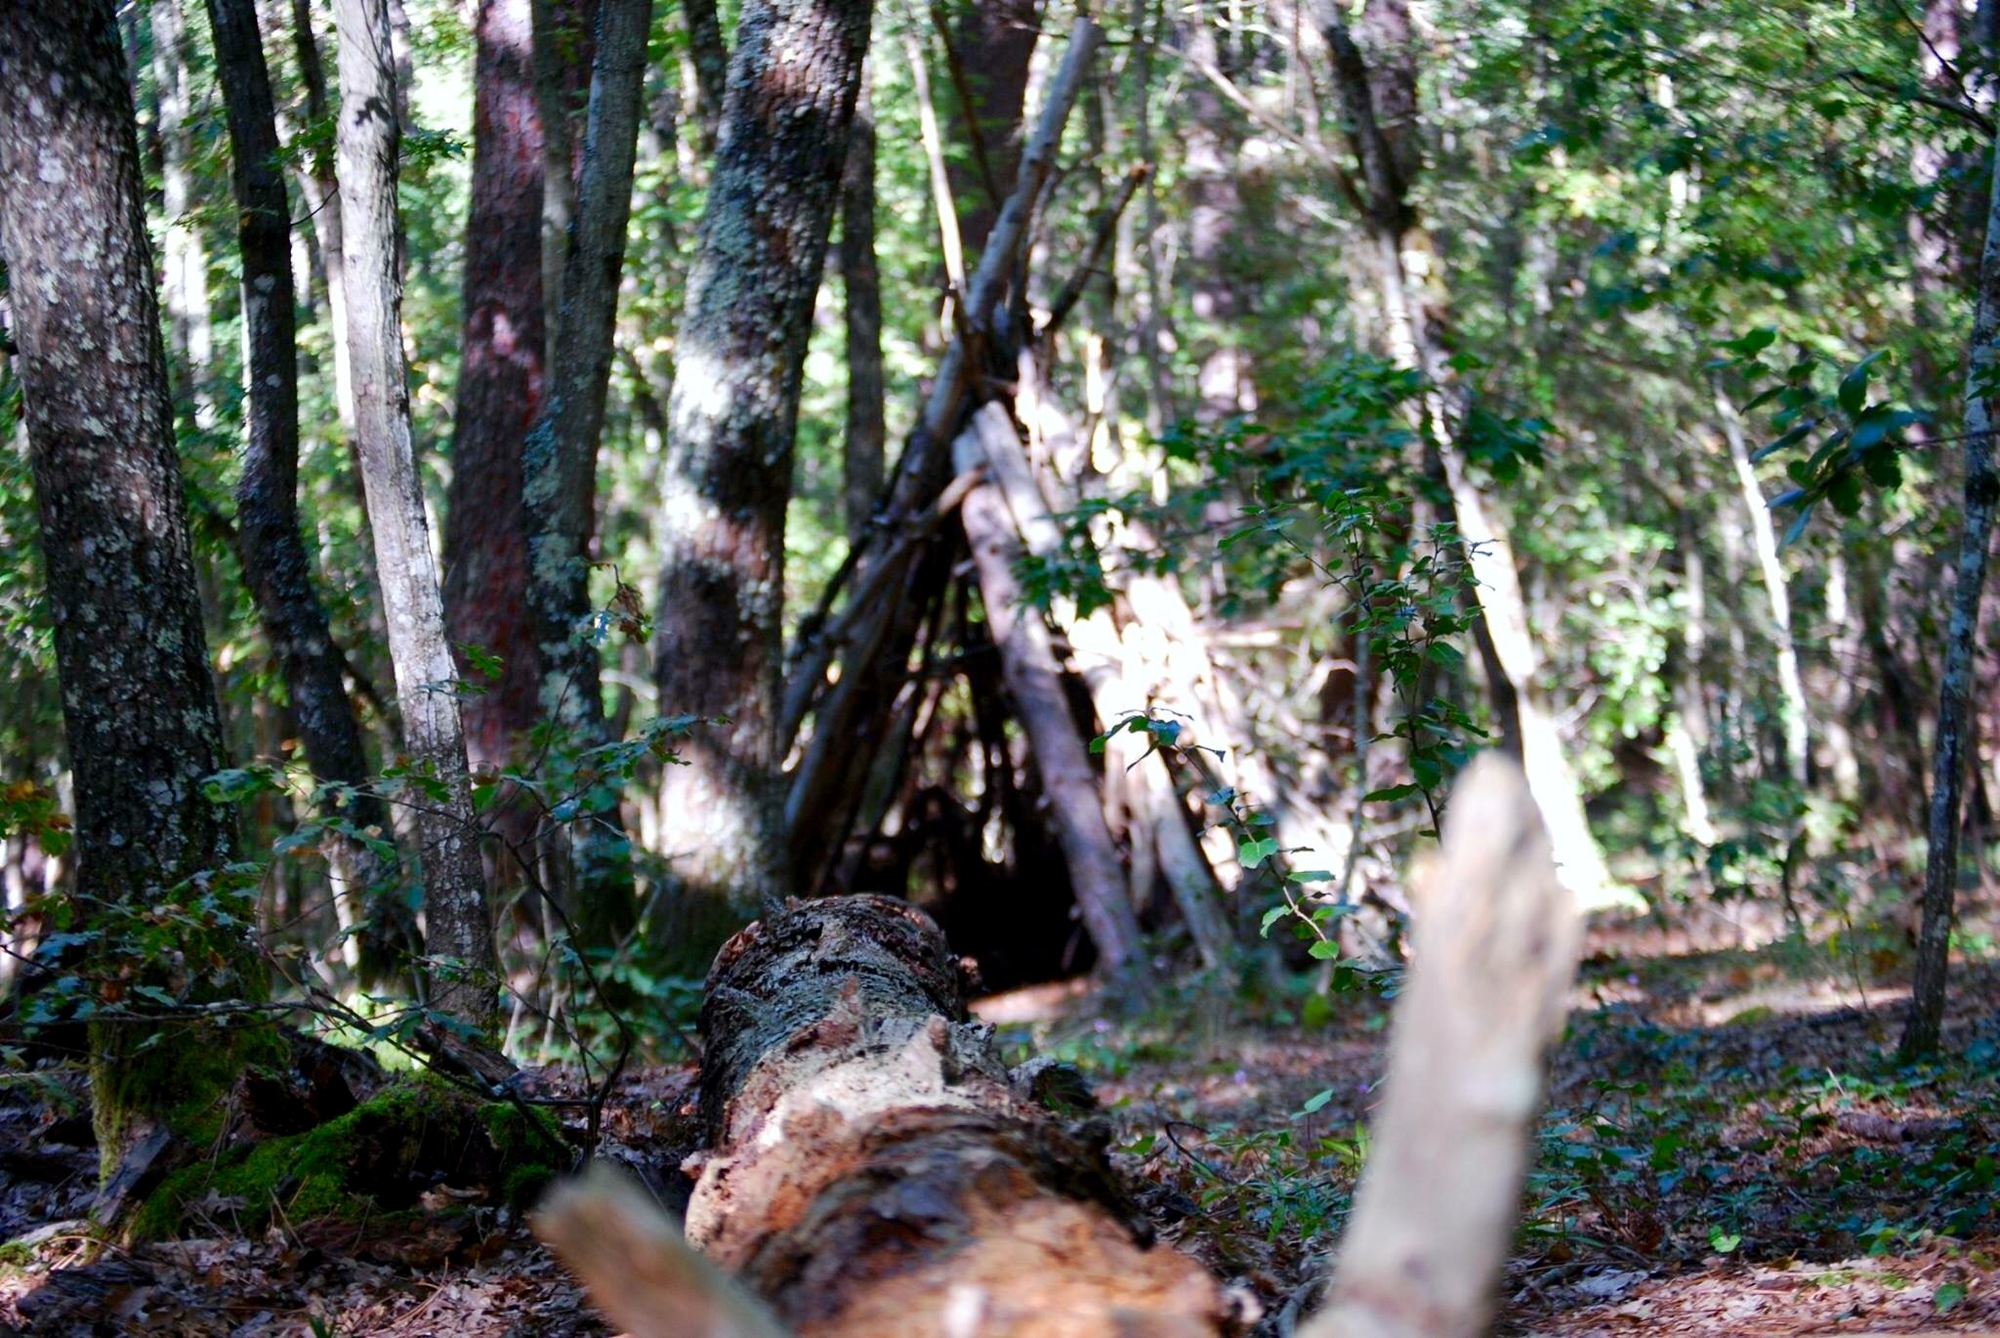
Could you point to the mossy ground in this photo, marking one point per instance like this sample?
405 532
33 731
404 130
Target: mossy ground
372 1162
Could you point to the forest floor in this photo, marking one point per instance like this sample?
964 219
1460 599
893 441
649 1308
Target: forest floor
1730 1148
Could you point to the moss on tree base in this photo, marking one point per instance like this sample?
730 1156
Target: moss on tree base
376 1160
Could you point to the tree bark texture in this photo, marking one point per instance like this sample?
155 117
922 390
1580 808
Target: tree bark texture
862 454
875 1171
1952 747
458 921
1034 681
321 188
500 383
561 462
276 564
139 708
731 420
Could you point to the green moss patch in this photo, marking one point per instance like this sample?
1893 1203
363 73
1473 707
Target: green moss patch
377 1159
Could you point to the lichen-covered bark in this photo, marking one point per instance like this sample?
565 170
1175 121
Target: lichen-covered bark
463 968
275 562
139 708
875 1169
560 466
862 450
790 102
1954 724
500 382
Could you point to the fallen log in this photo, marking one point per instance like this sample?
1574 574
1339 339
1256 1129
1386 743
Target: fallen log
875 1171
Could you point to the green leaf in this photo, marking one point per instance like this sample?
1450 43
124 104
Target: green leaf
1947 1297
1251 854
1323 950
1853 391
1723 1242
1316 1102
1271 917
1390 793
1310 876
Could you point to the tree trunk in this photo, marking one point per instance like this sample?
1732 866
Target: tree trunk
711 68
458 922
565 41
321 189
876 1169
862 453
185 287
139 708
732 417
1392 224
561 466
1034 681
275 561
1771 568
1496 949
1982 490
500 384
992 52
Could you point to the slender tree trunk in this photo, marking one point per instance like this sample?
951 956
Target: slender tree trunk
272 550
1771 568
1509 641
710 54
139 707
992 53
189 326
732 417
458 922
561 463
500 384
565 34
321 189
1982 490
863 452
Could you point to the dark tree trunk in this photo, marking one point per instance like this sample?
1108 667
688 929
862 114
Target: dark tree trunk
565 49
862 454
710 54
1955 714
458 921
731 422
993 47
500 383
560 469
139 707
275 561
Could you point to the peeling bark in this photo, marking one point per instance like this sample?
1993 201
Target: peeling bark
462 967
139 708
874 1169
792 87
